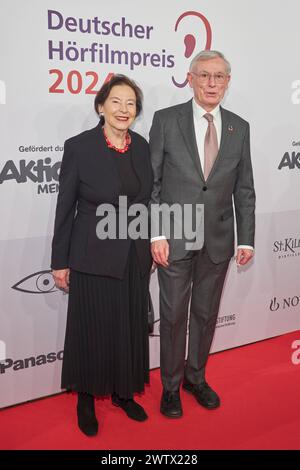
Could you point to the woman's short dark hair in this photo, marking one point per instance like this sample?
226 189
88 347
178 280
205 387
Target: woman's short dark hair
118 79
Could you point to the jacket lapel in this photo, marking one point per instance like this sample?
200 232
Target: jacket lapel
186 125
103 160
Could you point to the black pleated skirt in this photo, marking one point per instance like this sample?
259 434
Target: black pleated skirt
106 343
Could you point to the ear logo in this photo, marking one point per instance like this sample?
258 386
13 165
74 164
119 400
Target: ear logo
190 40
190 43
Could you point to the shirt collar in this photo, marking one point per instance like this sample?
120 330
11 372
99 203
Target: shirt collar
199 112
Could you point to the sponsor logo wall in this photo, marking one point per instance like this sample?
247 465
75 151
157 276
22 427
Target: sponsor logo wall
54 57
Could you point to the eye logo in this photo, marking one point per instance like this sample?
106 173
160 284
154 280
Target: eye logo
38 283
190 40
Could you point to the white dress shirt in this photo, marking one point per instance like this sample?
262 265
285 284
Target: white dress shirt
200 125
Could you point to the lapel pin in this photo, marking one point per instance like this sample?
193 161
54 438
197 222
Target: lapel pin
230 128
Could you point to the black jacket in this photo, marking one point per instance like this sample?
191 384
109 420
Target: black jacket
89 177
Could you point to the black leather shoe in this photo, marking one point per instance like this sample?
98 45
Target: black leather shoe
204 395
131 407
87 420
170 404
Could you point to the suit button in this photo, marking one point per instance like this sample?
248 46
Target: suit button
204 188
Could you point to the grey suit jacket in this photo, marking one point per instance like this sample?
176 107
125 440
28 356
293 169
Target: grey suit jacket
178 178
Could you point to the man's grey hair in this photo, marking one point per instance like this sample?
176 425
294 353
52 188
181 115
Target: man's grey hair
206 55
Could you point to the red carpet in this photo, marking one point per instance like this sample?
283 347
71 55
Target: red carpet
259 388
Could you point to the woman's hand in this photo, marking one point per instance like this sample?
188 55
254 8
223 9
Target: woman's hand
61 278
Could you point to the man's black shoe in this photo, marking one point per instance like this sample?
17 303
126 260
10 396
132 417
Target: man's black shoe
204 395
131 407
170 404
86 416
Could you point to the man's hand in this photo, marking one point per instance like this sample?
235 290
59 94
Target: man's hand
62 278
160 252
243 256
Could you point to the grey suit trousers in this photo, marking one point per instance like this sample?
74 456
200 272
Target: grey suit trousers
197 281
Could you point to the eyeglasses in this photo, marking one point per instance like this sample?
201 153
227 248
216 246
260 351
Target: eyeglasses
205 77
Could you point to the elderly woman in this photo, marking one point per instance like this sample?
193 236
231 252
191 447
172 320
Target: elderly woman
106 342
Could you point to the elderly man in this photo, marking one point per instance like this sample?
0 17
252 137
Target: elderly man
200 155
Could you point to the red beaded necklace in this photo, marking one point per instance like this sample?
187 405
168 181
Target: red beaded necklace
112 146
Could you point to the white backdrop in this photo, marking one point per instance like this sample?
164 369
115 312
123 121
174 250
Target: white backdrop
40 108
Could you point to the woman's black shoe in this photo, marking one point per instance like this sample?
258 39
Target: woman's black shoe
131 408
87 420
